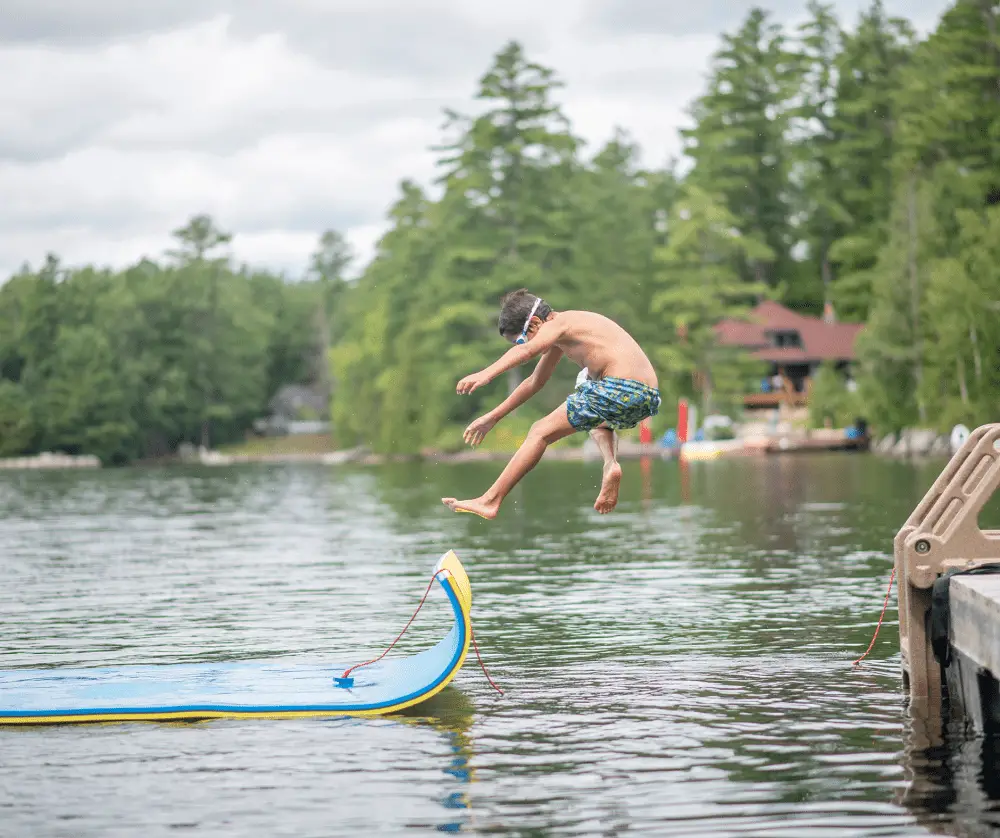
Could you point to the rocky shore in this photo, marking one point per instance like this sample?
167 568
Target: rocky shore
47 460
913 442
363 456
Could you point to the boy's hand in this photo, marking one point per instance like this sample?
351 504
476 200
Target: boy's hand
472 382
478 429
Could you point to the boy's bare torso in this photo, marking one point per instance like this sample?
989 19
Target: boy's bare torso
603 347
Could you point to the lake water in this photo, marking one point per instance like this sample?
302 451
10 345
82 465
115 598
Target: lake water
680 667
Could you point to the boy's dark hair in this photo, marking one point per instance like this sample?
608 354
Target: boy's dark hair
515 308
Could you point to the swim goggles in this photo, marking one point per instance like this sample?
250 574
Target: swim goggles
524 332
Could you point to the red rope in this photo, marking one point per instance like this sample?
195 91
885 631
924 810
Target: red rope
423 599
884 604
481 664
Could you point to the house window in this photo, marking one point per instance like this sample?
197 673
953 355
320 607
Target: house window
787 339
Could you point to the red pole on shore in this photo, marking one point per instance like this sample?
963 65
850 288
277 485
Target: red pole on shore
645 432
682 420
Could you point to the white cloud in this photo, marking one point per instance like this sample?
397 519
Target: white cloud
713 16
282 119
267 140
641 83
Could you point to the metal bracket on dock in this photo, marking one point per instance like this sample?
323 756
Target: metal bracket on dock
943 533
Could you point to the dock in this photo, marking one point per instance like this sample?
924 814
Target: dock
972 662
949 596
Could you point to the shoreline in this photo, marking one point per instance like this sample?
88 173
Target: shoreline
756 445
367 458
49 461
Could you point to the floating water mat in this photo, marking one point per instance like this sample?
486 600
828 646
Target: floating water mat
245 689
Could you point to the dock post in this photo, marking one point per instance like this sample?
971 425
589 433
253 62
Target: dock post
942 534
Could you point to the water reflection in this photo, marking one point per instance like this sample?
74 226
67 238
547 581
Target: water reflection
451 713
953 786
681 667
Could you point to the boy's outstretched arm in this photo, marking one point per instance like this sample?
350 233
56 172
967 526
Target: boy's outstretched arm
544 340
525 390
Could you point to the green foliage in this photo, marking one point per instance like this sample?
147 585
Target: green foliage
740 146
130 364
817 135
16 428
929 352
831 401
863 128
858 166
428 302
957 70
698 285
890 350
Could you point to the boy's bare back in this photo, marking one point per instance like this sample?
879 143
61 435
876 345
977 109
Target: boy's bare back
601 346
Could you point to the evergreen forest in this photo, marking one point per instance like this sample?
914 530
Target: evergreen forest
850 163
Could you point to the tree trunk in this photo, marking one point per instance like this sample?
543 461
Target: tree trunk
706 391
977 357
826 272
991 26
323 330
208 382
512 188
963 388
918 365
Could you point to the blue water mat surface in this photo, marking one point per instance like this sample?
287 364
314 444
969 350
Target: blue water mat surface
246 688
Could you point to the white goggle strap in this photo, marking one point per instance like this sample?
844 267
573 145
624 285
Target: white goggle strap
527 322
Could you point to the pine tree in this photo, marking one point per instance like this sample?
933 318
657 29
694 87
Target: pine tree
822 218
891 348
938 367
508 163
951 97
327 268
507 177
617 212
739 145
376 399
697 286
869 73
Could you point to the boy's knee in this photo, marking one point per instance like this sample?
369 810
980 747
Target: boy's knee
540 431
537 430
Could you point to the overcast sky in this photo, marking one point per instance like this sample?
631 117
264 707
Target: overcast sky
119 119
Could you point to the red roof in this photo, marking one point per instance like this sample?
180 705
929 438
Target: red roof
821 341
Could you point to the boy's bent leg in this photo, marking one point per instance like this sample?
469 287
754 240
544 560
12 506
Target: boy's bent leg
607 442
543 433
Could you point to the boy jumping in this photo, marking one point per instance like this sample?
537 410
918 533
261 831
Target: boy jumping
617 389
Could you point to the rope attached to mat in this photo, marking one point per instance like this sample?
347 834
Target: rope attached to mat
481 664
881 616
344 680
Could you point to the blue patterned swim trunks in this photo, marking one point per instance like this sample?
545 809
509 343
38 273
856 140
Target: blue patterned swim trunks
619 403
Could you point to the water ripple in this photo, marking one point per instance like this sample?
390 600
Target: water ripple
682 667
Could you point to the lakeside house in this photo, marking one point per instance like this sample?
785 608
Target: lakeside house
296 409
793 345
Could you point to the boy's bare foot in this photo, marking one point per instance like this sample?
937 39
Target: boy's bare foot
477 507
608 498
